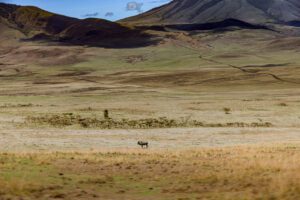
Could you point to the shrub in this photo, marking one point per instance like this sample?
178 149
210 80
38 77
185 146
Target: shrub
227 111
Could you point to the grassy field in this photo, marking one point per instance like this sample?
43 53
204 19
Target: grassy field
198 77
220 111
244 172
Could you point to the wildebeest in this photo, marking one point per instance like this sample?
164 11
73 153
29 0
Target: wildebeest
142 144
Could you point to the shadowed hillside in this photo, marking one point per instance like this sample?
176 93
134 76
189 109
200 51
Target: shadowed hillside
38 24
227 24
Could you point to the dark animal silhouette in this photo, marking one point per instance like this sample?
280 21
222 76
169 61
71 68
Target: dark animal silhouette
143 144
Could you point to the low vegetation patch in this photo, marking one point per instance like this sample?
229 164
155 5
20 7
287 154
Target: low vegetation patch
283 104
227 111
28 105
135 59
70 119
217 173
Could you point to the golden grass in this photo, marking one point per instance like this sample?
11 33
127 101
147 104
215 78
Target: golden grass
248 172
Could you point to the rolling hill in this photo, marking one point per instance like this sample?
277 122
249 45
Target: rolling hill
208 11
34 23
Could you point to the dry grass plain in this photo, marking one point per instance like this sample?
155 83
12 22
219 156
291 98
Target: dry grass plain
236 77
241 172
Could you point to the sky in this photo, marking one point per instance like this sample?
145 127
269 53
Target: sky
107 9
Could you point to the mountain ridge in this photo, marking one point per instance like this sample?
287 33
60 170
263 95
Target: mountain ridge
208 11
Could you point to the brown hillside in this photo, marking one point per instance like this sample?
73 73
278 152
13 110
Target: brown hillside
38 24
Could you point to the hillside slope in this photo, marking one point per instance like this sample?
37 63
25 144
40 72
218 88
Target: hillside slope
207 11
38 24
